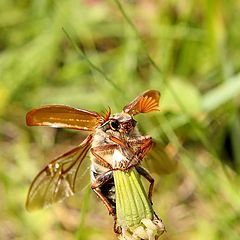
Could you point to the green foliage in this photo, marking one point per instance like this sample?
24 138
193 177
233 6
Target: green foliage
106 55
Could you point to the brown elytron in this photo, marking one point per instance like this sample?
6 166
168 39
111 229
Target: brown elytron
110 133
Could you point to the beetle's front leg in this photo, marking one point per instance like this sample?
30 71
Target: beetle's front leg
138 147
145 145
100 151
142 146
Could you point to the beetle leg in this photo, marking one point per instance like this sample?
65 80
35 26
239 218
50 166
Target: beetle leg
146 175
144 147
141 151
96 152
100 181
118 141
121 143
143 143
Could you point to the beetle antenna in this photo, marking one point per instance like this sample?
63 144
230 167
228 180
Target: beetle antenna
106 113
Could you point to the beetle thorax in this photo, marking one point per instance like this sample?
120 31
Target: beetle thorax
121 126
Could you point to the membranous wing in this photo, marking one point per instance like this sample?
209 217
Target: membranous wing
159 160
146 102
62 116
58 179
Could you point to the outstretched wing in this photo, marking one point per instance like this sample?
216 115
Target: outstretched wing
63 117
159 160
58 179
146 102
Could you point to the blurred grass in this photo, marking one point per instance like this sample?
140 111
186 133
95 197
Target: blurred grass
195 48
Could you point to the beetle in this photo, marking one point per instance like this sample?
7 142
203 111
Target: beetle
110 134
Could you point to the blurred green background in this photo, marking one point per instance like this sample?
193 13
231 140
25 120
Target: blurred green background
189 50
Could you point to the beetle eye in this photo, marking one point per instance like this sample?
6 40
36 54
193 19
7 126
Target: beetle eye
114 125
